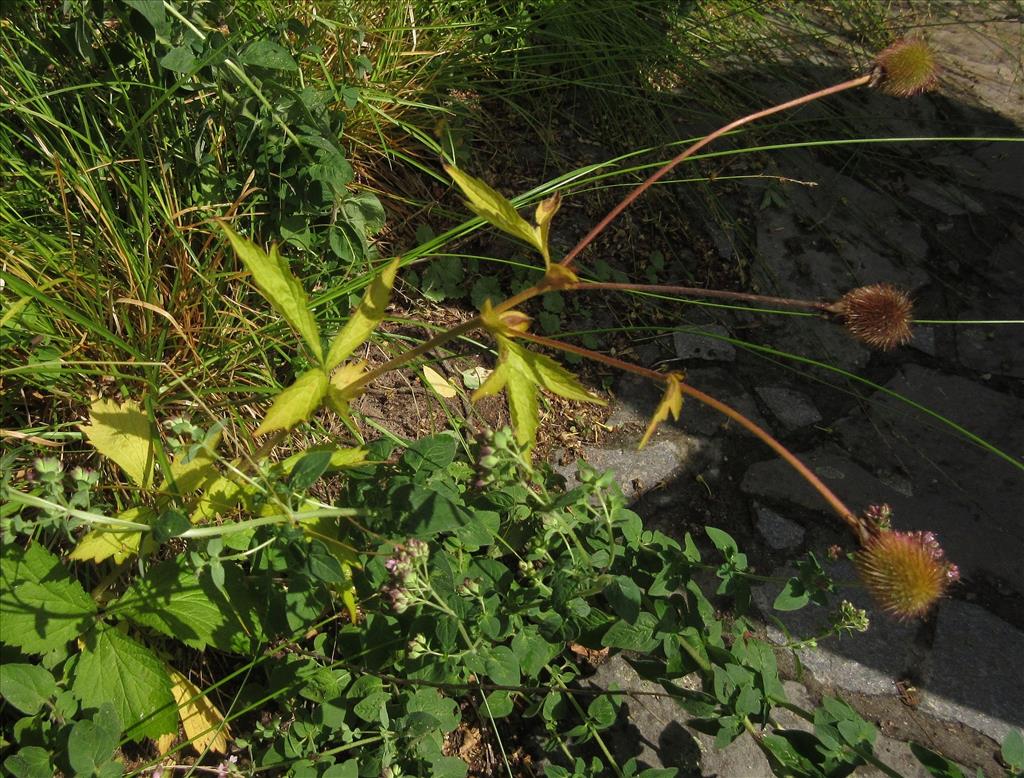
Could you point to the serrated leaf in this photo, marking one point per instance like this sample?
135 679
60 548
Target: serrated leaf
366 318
116 669
41 607
438 383
296 403
171 600
495 382
122 434
98 545
522 405
204 725
26 687
549 374
671 405
276 283
494 208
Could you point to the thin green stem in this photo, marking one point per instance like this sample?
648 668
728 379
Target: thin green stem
694 291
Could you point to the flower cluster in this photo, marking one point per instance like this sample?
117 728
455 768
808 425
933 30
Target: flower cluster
405 567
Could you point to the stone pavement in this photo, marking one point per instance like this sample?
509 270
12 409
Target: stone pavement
938 433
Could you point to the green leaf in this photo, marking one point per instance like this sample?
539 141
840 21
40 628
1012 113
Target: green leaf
1013 750
444 709
503 666
601 711
499 704
122 434
276 283
533 651
792 597
364 212
154 13
41 607
91 744
172 600
180 59
936 764
30 762
723 541
267 54
296 403
366 318
114 668
430 454
308 469
522 406
624 596
26 687
494 208
632 636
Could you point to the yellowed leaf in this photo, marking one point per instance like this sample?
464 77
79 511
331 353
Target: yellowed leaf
192 473
296 403
275 281
366 318
494 208
438 383
671 403
204 725
546 210
122 434
100 544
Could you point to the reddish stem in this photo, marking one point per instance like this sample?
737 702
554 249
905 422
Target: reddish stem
727 410
635 193
694 291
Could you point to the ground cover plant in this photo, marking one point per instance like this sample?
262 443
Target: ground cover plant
355 608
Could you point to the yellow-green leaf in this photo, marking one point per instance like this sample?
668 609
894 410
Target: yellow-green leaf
340 457
546 210
122 434
522 404
549 374
296 403
275 281
220 496
494 208
366 318
100 544
438 383
204 725
189 476
339 395
671 403
495 383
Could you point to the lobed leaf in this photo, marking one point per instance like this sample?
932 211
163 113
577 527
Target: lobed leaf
296 403
276 283
366 318
122 434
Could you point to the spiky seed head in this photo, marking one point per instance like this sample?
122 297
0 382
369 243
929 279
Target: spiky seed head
906 68
905 572
879 315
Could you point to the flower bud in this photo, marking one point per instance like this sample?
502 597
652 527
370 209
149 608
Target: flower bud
906 68
879 315
905 572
